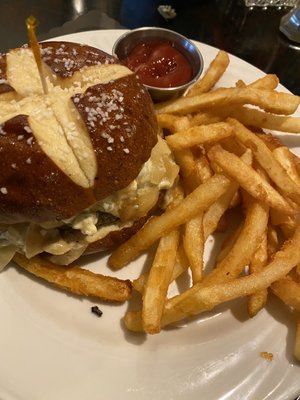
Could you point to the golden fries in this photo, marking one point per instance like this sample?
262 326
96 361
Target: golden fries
261 119
288 291
199 135
263 175
195 300
271 101
263 180
249 179
194 172
267 160
269 81
235 261
287 160
215 212
297 341
180 266
203 297
215 70
173 124
76 280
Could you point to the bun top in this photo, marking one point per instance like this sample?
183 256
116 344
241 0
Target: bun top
87 138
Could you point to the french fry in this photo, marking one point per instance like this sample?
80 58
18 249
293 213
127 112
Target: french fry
158 281
247 116
236 148
199 135
269 82
250 236
194 171
76 280
272 240
267 160
288 229
173 123
216 210
214 72
214 213
193 242
297 341
288 291
272 142
261 119
236 200
287 160
257 300
202 168
271 101
180 266
185 159
197 201
240 84
228 244
206 117
286 223
133 321
139 283
249 179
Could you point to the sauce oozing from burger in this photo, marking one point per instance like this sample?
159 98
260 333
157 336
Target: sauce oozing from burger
159 64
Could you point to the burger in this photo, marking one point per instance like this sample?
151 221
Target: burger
83 165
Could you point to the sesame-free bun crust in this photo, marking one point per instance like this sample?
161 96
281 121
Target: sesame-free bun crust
87 138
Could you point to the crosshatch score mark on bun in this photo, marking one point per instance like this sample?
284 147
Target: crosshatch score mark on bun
80 164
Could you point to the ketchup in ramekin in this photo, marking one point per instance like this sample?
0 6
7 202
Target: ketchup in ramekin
158 63
167 62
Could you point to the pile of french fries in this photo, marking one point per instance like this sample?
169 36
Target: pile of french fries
228 166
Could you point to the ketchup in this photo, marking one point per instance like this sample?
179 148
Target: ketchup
159 64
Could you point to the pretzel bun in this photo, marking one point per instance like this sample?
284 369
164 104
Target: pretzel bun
73 160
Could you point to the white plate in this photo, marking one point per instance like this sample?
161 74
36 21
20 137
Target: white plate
53 348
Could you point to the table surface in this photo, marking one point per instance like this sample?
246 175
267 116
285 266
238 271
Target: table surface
251 34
